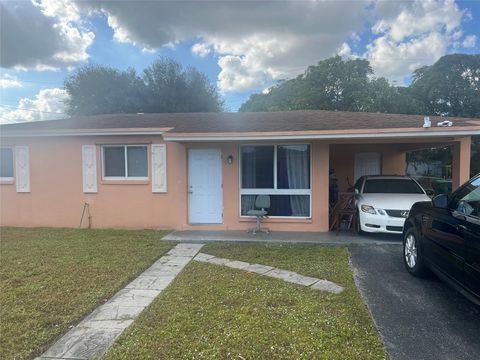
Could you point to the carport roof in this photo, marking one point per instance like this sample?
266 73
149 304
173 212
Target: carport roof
182 125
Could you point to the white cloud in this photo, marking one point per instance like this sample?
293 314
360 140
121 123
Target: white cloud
470 41
201 49
420 17
48 104
255 42
42 35
345 51
396 60
412 34
65 10
236 75
119 33
8 81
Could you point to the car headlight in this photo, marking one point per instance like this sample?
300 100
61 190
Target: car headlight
368 209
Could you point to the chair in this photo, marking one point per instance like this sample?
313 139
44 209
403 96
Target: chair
262 202
345 207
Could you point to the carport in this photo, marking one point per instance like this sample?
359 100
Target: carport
387 156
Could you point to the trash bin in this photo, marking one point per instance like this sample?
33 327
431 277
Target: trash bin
442 186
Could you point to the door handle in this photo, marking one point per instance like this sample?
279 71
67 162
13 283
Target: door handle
190 191
461 227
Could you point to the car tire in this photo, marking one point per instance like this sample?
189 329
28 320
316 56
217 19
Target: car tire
412 254
358 225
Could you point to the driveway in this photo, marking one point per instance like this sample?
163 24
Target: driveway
418 318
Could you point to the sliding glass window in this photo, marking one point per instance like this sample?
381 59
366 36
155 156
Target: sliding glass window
280 171
125 162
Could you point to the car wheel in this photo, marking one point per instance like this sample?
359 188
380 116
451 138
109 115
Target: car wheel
358 226
412 256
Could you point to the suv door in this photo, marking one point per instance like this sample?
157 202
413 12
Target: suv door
444 242
466 208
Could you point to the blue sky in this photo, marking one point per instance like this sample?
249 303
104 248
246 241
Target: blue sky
242 47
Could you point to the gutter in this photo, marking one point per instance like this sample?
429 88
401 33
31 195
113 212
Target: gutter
86 132
221 137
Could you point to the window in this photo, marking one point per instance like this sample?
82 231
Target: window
281 171
467 200
391 186
125 162
6 164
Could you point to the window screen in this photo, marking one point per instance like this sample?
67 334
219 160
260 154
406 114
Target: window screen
125 161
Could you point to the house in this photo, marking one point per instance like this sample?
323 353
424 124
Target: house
204 170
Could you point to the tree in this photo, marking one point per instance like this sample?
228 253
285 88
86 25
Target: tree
336 84
450 87
385 98
170 88
163 87
102 90
332 84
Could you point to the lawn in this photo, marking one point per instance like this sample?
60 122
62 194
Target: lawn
214 312
51 278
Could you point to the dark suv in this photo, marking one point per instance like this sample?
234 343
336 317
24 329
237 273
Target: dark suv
444 236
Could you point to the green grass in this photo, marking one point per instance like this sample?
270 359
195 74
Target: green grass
52 278
214 312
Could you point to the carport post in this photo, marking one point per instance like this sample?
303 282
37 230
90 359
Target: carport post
461 161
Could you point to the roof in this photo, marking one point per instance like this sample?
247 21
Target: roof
201 124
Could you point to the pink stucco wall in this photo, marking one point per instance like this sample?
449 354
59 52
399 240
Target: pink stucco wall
461 155
342 160
56 198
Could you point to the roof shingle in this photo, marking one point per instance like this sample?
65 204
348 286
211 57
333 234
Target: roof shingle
222 122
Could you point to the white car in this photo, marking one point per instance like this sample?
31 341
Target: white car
384 202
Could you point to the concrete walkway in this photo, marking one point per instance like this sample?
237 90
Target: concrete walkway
283 237
285 275
91 338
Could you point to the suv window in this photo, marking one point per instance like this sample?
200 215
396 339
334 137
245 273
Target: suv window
467 199
391 186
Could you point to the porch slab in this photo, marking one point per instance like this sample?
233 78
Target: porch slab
282 237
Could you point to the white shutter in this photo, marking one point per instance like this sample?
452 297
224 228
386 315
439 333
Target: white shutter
22 169
89 160
159 168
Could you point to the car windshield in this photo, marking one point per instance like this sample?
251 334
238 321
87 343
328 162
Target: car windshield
391 186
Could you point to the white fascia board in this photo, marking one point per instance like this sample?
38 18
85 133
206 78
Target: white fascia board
326 136
122 133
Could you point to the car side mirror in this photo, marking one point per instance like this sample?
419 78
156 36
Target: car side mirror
440 201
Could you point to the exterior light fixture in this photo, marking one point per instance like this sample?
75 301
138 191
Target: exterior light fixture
230 159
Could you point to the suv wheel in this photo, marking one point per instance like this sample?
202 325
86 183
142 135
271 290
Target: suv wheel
412 255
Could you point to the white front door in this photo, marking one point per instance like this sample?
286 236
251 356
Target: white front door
205 193
367 164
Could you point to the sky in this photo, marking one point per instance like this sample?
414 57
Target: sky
243 47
